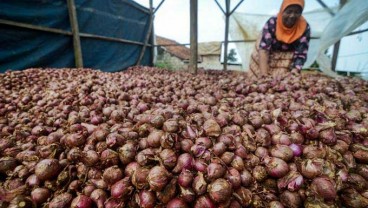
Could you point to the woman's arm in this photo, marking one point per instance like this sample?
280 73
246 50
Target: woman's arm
301 51
268 35
263 61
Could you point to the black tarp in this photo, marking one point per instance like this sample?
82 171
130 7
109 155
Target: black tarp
22 48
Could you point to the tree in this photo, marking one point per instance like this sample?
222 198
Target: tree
231 56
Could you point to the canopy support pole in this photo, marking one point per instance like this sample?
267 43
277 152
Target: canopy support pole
75 31
193 62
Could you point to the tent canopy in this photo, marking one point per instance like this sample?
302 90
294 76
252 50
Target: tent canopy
23 47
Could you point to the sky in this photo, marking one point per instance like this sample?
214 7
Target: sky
172 21
172 18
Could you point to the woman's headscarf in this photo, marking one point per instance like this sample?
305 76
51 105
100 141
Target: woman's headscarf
289 35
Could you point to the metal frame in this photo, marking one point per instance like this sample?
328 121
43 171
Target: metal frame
227 12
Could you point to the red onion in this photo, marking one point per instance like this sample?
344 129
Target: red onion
297 149
292 181
204 202
32 181
197 150
310 151
261 152
328 136
272 128
88 189
112 203
127 153
290 199
205 141
351 198
81 201
276 167
324 187
177 203
220 190
363 171
200 165
296 138
212 128
47 169
312 168
233 176
112 174
40 195
259 173
187 194
61 200
275 204
238 163
130 168
90 157
158 178
282 151
357 182
185 178
186 144
145 157
241 151
199 184
139 177
263 138
215 171
243 196
122 188
168 158
227 157
168 192
146 199
99 197
280 138
109 158
185 161
219 148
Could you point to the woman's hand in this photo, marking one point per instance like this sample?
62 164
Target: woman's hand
295 72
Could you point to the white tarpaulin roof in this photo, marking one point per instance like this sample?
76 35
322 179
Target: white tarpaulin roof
326 28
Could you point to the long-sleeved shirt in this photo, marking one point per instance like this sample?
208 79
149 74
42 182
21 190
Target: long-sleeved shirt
300 46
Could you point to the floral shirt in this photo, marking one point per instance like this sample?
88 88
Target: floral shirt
300 46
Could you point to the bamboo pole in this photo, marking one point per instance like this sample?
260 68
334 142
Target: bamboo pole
75 30
147 35
336 46
193 36
63 32
227 16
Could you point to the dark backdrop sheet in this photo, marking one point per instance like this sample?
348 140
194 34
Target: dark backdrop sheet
22 48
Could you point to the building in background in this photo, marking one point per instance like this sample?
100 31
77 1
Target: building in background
177 57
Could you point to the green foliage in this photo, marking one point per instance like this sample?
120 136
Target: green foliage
164 65
231 56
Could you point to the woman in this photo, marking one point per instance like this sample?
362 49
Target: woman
284 43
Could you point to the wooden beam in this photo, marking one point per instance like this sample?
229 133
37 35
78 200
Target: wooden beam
63 32
34 27
232 11
219 5
329 10
226 32
193 36
120 40
148 35
158 7
336 46
75 30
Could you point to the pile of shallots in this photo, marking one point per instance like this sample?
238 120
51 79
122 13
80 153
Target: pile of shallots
149 137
